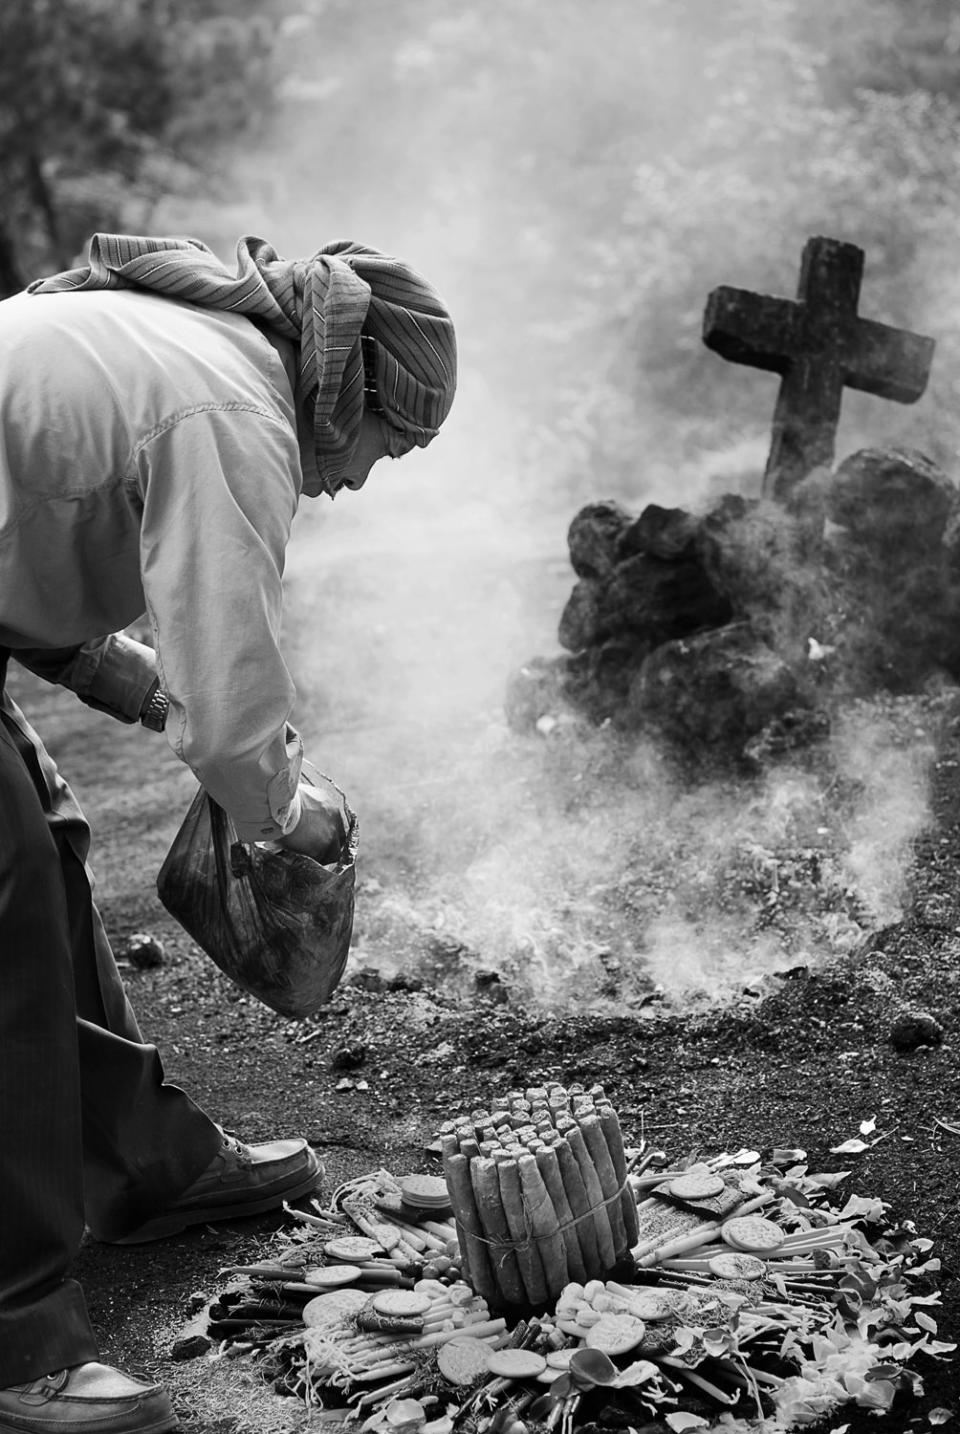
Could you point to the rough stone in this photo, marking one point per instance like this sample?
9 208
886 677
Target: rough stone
660 533
594 537
403 982
191 1346
582 622
489 985
598 679
915 1028
852 589
368 980
715 690
767 563
142 950
645 597
349 1058
891 566
900 628
662 600
892 497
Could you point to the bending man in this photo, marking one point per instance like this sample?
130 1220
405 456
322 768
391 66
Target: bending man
160 417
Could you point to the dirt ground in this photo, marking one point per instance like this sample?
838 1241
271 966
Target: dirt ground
801 1062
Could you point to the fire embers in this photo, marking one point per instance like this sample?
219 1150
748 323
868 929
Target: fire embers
739 627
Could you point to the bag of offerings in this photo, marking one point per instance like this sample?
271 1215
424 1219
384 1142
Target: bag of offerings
276 922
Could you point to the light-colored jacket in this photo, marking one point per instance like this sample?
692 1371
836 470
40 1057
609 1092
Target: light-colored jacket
149 462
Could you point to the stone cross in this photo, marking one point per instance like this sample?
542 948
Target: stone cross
820 346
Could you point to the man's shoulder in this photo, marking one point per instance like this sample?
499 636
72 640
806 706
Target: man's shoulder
144 344
128 317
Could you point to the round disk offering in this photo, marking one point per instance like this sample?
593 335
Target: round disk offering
402 1304
352 1248
425 1192
696 1185
328 1277
733 1266
648 1305
615 1334
558 1358
515 1363
752 1234
333 1308
463 1361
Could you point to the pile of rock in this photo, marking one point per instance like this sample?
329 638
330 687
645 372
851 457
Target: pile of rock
749 618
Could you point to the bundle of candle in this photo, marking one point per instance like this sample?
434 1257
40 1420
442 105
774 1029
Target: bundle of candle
538 1184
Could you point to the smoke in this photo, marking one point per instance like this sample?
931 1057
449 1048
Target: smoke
891 765
575 241
576 864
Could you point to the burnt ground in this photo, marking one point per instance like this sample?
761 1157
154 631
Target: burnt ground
801 1062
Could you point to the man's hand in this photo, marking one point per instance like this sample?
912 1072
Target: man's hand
322 827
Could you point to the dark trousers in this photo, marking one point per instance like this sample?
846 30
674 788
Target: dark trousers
89 1132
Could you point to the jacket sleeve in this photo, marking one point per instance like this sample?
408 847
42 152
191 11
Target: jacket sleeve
111 674
219 489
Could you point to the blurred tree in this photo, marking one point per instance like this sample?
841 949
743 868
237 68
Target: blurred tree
593 168
107 105
888 45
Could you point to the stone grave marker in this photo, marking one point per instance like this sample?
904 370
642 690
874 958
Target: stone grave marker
820 345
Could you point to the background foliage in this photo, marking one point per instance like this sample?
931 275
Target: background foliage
578 174
106 106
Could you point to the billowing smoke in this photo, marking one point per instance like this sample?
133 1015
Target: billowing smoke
575 179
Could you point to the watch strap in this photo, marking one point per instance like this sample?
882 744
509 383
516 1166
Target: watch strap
153 714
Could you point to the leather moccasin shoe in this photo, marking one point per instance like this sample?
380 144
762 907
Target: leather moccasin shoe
88 1399
240 1180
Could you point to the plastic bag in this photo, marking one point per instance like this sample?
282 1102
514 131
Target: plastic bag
276 922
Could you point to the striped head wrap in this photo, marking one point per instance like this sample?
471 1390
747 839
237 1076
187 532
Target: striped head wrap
371 331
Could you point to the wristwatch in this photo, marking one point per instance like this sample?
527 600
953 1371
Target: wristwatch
153 713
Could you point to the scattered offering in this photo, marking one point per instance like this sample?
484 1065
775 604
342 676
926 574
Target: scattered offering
752 1232
330 1275
615 1333
404 1303
516 1363
696 1186
352 1247
722 1318
737 1267
425 1192
462 1361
